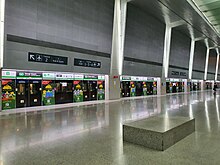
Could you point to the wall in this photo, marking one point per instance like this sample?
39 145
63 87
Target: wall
212 64
199 60
178 73
218 77
179 55
141 69
144 39
180 50
80 24
19 53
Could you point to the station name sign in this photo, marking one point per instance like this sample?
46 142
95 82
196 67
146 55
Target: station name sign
45 58
87 63
176 73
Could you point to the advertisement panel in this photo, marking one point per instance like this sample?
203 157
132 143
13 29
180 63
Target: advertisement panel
101 90
48 92
77 91
8 94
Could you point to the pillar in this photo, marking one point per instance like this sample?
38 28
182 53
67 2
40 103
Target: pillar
191 59
206 64
192 48
166 56
2 39
166 53
117 52
217 63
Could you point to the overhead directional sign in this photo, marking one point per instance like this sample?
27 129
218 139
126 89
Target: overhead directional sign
45 58
87 63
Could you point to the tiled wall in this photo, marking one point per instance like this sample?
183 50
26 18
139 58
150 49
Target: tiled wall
143 40
180 49
212 61
199 60
82 24
18 52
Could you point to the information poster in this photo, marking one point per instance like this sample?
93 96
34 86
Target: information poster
101 90
77 91
8 94
48 96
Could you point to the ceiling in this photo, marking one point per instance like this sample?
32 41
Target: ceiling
197 25
211 10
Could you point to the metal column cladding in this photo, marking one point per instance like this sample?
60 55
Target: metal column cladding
217 64
118 37
2 24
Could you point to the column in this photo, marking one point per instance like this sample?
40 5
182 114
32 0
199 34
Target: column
191 59
206 63
2 22
203 85
217 63
117 52
166 53
192 49
2 39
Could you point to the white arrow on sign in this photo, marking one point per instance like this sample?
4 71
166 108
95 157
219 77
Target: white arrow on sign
32 57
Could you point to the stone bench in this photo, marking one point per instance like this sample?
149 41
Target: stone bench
158 132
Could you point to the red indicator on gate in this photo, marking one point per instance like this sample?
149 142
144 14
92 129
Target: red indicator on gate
115 76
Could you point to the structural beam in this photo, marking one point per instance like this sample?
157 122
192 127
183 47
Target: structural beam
176 23
199 38
214 47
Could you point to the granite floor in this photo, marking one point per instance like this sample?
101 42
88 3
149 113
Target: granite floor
92 134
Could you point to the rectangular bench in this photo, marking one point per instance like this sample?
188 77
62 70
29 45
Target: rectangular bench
159 132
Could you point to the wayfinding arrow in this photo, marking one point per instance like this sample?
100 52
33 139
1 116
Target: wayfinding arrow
32 57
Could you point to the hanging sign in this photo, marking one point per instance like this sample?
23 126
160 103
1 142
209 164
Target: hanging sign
87 63
45 58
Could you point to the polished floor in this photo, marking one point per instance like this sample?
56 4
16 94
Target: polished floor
92 134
